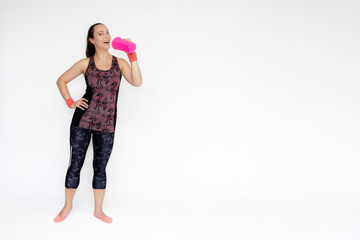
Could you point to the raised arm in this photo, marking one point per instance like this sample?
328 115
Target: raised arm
132 74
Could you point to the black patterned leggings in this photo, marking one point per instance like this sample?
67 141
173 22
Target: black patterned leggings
79 142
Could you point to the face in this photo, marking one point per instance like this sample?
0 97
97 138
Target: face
101 38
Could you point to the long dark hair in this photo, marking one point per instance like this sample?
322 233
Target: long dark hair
90 48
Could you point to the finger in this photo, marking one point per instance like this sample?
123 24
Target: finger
84 103
85 99
79 106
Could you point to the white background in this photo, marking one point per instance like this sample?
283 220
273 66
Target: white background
246 126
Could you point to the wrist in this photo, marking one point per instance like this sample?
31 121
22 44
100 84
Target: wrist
69 102
132 57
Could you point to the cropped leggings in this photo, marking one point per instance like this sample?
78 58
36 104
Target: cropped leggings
79 142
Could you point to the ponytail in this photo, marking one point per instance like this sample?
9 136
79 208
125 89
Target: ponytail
90 48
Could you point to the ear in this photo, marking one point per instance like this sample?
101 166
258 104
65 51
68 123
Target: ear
91 40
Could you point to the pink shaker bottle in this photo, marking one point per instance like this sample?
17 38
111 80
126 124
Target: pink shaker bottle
123 45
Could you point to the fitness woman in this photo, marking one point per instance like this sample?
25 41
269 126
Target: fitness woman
95 113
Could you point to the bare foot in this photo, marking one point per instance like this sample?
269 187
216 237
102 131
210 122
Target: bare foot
100 213
65 211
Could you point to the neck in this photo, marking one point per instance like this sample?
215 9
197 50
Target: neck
101 54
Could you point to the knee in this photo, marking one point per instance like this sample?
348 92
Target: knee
99 168
100 172
74 170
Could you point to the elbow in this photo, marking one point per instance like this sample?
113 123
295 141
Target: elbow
60 82
137 83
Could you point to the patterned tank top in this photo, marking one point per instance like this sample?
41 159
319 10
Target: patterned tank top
102 94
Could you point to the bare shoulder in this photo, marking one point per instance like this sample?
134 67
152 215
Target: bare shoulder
82 64
84 60
120 59
121 62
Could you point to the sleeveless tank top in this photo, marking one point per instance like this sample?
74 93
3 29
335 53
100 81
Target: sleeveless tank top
102 88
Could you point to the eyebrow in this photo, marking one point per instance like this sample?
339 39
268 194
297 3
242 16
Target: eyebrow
102 31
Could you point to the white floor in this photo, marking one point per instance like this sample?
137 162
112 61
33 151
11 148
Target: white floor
253 218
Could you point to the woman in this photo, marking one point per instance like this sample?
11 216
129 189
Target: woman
95 113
